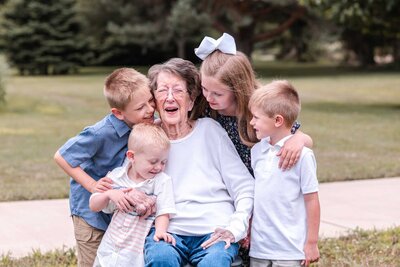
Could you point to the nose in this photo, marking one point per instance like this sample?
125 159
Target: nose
170 96
252 122
208 97
150 107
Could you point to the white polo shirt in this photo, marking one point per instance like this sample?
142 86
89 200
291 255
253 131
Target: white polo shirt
279 226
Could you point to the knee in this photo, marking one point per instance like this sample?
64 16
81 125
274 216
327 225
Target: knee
161 254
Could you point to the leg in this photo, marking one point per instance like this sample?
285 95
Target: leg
215 255
284 263
88 240
162 253
254 262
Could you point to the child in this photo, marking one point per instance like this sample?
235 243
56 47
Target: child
123 242
99 148
228 80
286 211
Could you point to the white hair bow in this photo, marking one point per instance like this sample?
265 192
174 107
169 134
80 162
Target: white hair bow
225 44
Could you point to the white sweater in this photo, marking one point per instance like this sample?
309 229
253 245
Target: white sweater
212 186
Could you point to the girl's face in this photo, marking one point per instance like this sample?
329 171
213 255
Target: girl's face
219 96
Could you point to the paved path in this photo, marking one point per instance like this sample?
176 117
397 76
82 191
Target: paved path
46 225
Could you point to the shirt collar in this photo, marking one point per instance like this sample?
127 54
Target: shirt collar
120 126
265 145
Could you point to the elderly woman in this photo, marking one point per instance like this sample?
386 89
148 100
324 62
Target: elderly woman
213 188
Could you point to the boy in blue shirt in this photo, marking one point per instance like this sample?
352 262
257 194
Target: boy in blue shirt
100 148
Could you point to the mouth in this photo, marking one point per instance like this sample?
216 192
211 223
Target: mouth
171 110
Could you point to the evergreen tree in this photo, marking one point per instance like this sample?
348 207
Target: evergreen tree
42 37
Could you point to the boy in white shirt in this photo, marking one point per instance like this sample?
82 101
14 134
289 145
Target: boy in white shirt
286 214
123 242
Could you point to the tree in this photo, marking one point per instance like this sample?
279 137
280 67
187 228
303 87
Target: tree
42 37
251 22
3 74
185 24
365 25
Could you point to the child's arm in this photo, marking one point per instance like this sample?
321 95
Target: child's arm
81 177
291 151
313 218
99 201
161 224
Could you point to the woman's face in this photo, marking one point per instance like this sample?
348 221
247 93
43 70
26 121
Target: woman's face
172 99
219 96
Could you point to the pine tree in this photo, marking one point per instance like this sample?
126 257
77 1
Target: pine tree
42 36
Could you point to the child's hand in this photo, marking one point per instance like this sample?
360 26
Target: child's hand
219 234
311 252
119 197
102 185
167 237
290 152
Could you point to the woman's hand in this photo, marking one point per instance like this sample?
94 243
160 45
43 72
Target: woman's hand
290 152
143 204
219 234
167 237
119 197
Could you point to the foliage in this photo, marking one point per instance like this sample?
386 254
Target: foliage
126 32
252 22
3 75
358 248
362 248
185 24
59 257
366 26
42 37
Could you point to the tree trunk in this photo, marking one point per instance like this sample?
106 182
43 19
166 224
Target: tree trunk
181 47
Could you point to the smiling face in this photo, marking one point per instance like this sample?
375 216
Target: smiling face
147 163
219 96
139 109
172 99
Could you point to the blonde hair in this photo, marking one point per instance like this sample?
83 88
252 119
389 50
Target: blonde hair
120 86
236 72
277 97
145 135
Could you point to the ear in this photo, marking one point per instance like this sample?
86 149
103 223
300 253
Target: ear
117 113
191 104
279 121
130 155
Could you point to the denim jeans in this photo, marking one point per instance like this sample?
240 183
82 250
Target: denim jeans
187 249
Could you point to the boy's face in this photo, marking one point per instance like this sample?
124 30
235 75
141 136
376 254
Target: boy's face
262 123
140 109
149 162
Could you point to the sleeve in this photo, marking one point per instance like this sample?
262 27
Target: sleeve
165 195
81 147
308 172
240 185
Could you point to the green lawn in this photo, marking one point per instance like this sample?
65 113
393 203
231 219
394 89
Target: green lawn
359 248
352 116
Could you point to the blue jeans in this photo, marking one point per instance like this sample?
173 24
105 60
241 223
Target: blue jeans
187 249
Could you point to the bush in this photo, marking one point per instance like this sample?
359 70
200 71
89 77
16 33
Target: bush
3 75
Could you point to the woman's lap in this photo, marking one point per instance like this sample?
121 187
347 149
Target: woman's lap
187 249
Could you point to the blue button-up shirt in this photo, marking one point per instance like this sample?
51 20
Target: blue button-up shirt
98 149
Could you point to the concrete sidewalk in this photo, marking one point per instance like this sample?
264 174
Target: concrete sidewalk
46 225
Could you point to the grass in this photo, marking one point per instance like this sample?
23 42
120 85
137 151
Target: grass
351 115
359 248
